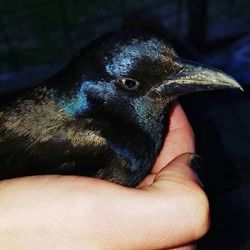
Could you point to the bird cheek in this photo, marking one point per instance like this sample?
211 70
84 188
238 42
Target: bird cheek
154 95
156 99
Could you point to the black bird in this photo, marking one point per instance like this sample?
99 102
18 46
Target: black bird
105 114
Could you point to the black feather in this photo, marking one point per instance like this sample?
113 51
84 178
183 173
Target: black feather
104 115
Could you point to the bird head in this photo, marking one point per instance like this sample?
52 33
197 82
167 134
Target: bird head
133 77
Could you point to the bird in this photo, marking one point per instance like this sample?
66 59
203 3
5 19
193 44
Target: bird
105 114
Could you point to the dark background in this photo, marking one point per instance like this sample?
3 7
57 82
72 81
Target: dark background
37 37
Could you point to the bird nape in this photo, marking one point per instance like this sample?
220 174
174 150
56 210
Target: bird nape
105 114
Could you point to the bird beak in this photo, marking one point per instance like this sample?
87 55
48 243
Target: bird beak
194 77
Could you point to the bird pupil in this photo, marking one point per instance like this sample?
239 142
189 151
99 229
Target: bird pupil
130 83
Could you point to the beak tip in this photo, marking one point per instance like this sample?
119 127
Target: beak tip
241 89
236 85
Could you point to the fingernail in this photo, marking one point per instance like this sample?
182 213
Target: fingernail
197 164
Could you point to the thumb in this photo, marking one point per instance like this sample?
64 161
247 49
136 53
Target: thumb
186 168
179 182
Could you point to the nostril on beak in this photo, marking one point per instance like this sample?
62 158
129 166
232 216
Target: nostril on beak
154 94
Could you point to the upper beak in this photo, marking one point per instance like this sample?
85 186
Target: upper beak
193 77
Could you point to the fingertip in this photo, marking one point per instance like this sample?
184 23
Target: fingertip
179 138
178 117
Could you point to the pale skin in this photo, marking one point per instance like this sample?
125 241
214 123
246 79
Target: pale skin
168 210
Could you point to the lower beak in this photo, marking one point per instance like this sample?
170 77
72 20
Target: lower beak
194 77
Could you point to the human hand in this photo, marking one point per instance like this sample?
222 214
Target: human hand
167 210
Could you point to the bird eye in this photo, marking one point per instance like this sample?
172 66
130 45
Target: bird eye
129 83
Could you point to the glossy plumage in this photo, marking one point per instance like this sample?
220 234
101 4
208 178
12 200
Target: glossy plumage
105 114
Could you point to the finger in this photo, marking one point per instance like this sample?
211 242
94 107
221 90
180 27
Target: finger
179 139
186 214
170 213
178 119
179 170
